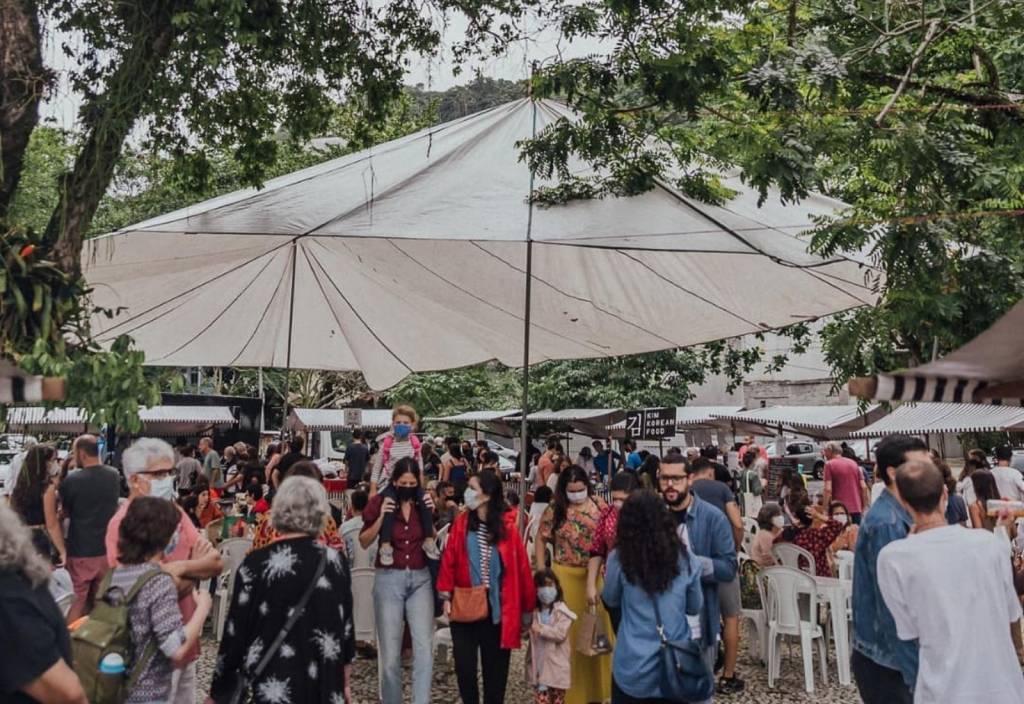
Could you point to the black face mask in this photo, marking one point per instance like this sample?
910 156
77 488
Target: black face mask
405 493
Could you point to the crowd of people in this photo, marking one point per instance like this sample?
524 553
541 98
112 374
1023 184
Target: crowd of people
603 564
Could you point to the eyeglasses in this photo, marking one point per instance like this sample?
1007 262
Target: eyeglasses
158 473
672 479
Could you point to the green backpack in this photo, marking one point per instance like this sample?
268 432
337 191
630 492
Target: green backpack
101 648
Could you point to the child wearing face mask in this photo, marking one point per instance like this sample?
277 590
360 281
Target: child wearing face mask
769 527
161 641
400 444
549 660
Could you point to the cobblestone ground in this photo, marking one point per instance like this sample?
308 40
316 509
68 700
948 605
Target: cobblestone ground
789 689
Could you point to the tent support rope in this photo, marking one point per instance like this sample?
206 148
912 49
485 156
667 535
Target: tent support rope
524 430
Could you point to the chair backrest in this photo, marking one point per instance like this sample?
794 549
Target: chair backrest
749 525
786 588
442 536
232 552
64 603
790 555
362 603
844 564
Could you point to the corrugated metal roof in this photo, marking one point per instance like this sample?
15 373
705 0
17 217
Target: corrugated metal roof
921 418
475 416
334 418
695 416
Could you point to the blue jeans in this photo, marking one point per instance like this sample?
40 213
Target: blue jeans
400 597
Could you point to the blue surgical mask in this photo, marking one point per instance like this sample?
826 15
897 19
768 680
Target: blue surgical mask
547 595
402 430
162 488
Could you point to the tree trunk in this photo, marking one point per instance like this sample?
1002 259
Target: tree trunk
23 80
108 119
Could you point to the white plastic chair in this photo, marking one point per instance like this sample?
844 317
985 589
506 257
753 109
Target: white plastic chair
749 525
789 555
363 618
232 552
442 536
757 617
64 602
844 564
792 607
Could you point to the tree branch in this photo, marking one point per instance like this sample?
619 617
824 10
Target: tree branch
23 80
108 118
933 27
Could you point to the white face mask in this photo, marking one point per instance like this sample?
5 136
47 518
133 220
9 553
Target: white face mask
547 595
840 518
471 497
162 488
576 497
778 521
617 503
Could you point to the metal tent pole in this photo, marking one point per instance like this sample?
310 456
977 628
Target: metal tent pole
291 324
524 431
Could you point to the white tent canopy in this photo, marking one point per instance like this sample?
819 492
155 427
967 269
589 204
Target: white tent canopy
824 422
355 264
37 419
988 369
932 418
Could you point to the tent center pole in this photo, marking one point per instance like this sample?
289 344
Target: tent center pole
524 431
288 353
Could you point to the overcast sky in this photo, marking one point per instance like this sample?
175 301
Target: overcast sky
434 74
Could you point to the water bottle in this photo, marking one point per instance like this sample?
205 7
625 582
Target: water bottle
112 664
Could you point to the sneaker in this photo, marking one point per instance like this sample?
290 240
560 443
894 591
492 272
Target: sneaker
430 548
387 555
730 685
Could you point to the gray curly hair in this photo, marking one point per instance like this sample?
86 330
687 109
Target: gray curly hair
300 506
17 553
145 452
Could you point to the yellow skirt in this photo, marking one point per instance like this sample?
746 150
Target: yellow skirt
591 676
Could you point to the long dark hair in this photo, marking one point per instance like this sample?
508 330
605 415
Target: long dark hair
406 465
575 473
647 543
490 485
650 467
34 478
985 488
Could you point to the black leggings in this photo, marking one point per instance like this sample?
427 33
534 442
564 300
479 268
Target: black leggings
483 637
878 684
426 515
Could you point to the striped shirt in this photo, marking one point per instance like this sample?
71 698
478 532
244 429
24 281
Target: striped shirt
382 475
484 537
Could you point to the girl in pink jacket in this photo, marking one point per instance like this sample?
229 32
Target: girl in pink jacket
549 660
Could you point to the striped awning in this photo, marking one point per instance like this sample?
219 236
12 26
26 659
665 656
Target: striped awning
37 419
825 422
933 418
474 417
334 419
586 421
988 369
185 420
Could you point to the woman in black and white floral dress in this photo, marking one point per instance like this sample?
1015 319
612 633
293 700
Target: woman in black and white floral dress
313 663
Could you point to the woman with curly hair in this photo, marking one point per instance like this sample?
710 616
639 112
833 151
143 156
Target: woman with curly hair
650 565
34 499
570 525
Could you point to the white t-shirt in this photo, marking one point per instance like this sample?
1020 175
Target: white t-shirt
876 490
1009 482
952 589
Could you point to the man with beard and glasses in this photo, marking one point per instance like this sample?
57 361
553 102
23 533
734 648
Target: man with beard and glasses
706 531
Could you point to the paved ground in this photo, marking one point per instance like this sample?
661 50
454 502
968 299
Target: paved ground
788 690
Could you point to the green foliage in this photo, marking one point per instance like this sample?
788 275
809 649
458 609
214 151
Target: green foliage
908 112
50 152
485 386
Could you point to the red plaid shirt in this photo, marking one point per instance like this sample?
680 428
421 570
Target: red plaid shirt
817 541
604 536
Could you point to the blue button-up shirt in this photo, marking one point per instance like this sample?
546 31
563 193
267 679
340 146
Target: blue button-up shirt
710 537
874 630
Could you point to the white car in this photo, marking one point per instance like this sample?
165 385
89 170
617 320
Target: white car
501 451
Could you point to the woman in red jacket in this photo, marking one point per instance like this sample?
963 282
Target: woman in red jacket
484 550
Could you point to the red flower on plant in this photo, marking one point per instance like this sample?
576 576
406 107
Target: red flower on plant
27 250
